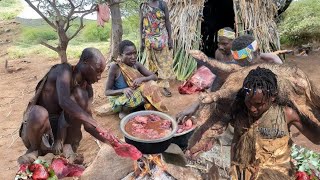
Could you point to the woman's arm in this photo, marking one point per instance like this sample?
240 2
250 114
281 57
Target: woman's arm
307 127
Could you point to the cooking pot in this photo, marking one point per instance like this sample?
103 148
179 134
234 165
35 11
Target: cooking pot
149 146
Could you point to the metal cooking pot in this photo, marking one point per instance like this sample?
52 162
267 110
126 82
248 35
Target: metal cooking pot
149 146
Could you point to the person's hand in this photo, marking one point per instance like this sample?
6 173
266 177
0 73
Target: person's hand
128 92
170 44
137 82
187 113
197 54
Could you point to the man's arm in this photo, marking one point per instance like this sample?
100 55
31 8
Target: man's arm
270 58
307 127
64 97
110 82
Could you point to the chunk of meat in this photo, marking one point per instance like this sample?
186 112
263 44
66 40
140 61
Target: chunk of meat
141 119
121 148
63 169
166 124
185 126
153 117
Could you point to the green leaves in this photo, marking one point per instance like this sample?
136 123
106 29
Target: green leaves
305 160
301 22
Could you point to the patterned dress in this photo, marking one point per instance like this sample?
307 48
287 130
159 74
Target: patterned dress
159 57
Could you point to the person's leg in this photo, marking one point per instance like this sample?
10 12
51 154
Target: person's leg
164 63
37 124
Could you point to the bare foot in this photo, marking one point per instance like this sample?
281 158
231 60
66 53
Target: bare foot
28 158
73 158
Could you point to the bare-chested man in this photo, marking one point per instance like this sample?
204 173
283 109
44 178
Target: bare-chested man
61 105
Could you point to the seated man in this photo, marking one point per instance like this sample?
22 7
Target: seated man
61 105
225 39
245 52
130 84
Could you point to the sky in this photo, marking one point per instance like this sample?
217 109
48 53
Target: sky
29 13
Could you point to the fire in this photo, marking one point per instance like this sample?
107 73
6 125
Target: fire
147 165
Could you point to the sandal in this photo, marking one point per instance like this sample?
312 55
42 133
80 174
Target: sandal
166 92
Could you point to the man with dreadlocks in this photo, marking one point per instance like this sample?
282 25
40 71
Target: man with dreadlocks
261 119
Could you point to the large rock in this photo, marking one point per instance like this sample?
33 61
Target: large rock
108 165
104 110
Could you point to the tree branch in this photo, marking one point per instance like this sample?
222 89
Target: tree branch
70 15
49 46
41 14
81 21
111 4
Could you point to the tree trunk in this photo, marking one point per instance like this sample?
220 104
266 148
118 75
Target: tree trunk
116 35
63 41
63 55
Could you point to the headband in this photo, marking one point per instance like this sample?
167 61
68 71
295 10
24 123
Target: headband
246 52
227 34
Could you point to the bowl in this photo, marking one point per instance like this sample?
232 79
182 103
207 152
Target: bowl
149 146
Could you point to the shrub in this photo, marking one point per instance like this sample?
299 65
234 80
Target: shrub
301 22
92 33
34 35
9 9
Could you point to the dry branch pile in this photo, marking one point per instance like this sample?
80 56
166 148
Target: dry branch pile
185 16
257 17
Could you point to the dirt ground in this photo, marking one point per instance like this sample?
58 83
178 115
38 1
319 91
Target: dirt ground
17 87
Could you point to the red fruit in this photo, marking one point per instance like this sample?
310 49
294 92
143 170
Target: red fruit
39 172
302 176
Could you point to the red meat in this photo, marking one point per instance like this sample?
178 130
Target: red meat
153 117
185 126
166 124
63 169
141 119
122 149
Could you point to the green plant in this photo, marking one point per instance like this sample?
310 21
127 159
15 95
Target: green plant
301 22
9 9
35 35
93 33
306 160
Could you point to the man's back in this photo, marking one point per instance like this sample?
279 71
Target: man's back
48 96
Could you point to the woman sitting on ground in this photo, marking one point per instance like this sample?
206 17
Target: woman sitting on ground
130 85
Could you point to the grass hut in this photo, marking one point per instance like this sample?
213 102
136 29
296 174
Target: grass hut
195 24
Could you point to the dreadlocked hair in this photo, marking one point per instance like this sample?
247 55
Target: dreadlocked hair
259 78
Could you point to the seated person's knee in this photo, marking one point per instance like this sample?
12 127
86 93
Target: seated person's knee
38 116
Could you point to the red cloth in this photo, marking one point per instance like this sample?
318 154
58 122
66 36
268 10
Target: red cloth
199 81
103 14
